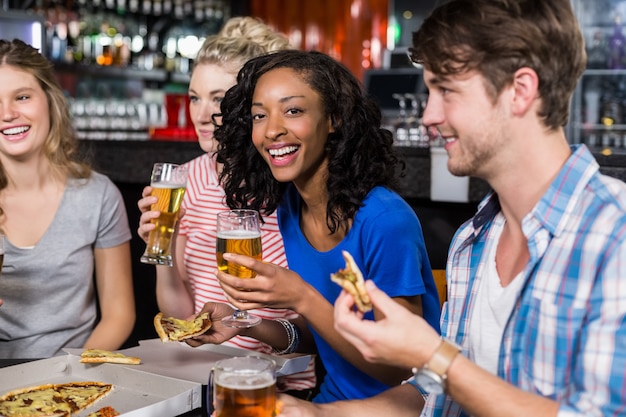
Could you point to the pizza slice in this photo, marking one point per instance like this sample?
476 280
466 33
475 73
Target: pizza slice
104 412
173 329
36 401
105 356
81 395
351 279
52 400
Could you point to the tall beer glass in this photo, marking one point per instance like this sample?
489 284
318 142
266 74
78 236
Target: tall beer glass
243 387
238 231
168 184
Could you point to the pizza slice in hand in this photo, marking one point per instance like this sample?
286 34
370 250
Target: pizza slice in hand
173 329
351 279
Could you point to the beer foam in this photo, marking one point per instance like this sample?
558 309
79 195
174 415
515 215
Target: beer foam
238 234
167 184
244 382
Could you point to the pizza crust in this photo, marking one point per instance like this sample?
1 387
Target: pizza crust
351 279
105 356
173 329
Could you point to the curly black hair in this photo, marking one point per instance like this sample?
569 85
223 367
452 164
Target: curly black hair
360 153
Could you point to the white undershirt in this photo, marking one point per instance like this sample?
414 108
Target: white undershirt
492 307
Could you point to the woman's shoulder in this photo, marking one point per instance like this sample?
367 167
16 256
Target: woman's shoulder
385 197
94 180
200 161
385 205
203 169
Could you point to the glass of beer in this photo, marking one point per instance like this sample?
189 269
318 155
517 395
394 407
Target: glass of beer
168 184
239 231
242 387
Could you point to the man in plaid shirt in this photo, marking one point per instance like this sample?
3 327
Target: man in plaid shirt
535 323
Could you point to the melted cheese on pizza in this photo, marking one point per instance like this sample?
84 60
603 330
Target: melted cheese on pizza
348 275
52 400
178 327
98 353
47 402
83 394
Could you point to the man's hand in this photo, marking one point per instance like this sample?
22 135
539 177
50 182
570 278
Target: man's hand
289 406
401 338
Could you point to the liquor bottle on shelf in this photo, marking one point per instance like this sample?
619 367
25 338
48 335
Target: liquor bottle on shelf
597 51
418 136
133 6
593 93
400 125
611 102
617 43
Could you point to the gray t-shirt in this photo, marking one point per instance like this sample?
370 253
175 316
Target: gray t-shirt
48 290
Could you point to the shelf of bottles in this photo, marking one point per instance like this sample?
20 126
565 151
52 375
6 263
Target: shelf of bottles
119 59
599 107
144 35
407 126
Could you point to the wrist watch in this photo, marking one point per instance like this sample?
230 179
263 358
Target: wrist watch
433 375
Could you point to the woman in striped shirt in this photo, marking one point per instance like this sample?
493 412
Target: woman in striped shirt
184 289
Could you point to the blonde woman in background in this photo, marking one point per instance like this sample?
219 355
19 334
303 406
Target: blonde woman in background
184 289
62 222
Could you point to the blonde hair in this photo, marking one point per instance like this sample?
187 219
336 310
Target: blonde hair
240 39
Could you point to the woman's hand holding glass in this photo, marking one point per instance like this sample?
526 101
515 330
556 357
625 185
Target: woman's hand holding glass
239 231
168 182
273 286
147 214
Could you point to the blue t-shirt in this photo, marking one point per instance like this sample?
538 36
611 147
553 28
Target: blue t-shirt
387 244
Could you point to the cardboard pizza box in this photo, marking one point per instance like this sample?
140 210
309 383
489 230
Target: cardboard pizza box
135 393
181 361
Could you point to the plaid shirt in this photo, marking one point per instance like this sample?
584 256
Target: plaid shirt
566 337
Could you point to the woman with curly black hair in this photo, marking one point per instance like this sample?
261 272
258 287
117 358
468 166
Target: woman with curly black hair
299 136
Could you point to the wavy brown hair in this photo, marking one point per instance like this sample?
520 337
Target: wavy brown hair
497 37
359 152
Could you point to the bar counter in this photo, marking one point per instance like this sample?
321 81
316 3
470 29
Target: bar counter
131 162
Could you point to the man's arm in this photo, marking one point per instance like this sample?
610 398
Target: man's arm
405 339
400 401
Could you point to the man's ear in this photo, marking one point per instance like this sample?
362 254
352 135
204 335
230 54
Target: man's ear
525 86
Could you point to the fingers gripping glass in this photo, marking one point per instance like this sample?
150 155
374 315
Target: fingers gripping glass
168 184
239 231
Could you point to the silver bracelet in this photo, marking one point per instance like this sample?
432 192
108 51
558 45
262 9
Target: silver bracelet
293 337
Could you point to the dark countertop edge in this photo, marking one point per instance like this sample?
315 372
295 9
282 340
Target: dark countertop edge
616 158
130 161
